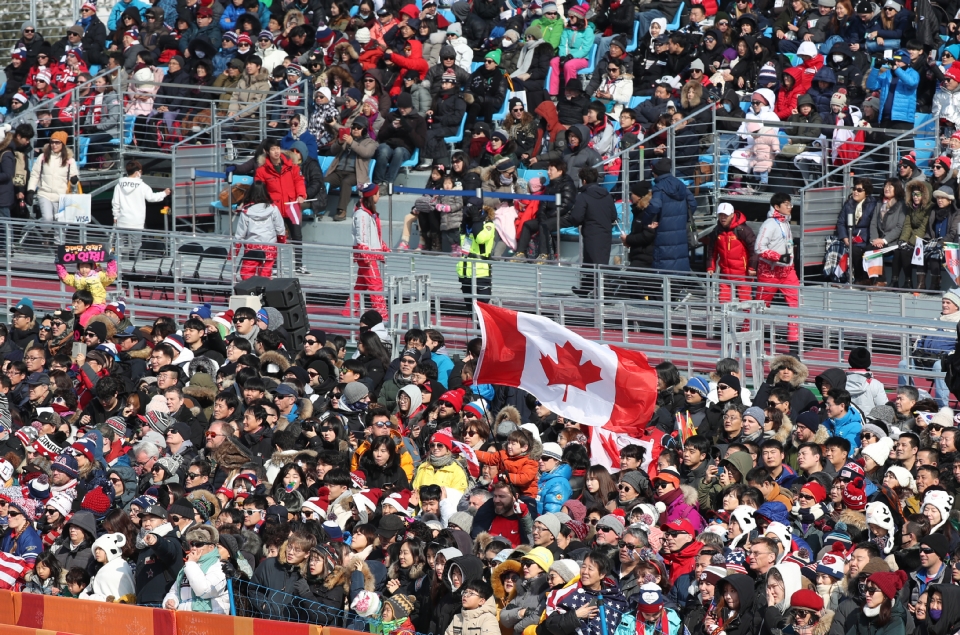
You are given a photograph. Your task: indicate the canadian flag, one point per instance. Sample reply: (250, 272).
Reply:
(607, 387)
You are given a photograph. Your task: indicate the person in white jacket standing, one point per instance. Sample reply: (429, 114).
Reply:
(130, 197)
(114, 581)
(201, 585)
(52, 175)
(261, 226)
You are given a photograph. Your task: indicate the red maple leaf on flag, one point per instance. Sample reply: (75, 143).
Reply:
(567, 369)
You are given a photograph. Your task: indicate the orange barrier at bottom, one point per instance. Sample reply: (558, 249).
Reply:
(6, 629)
(30, 614)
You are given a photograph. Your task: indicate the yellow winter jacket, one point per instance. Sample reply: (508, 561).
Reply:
(452, 476)
(96, 283)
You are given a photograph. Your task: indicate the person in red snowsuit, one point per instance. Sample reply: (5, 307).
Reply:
(368, 252)
(776, 271)
(730, 247)
(410, 60)
(287, 191)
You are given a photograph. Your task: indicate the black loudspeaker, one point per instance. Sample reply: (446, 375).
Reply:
(283, 293)
(297, 337)
(252, 286)
(294, 318)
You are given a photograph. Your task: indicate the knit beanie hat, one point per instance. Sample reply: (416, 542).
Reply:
(39, 488)
(879, 451)
(62, 502)
(27, 506)
(859, 357)
(463, 520)
(855, 495)
(182, 507)
(831, 565)
(402, 605)
(700, 384)
(551, 522)
(635, 479)
(756, 413)
(850, 471)
(650, 598)
(937, 542)
(839, 99)
(889, 583)
(566, 569)
(99, 500)
(815, 489)
(943, 502)
(904, 477)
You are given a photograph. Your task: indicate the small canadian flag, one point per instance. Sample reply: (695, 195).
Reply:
(610, 388)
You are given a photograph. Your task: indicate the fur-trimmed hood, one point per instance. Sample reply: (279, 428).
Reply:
(341, 577)
(480, 543)
(342, 46)
(854, 519)
(414, 573)
(507, 566)
(231, 455)
(690, 496)
(786, 429)
(201, 393)
(918, 185)
(275, 357)
(800, 370)
(336, 72)
(508, 415)
(103, 319)
(826, 621)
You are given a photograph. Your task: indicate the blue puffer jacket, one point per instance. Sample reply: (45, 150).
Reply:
(122, 6)
(848, 427)
(222, 59)
(904, 95)
(673, 205)
(554, 489)
(821, 98)
(228, 21)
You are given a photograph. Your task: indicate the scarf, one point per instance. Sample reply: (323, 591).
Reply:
(71, 484)
(199, 604)
(97, 108)
(441, 461)
(859, 211)
(525, 59)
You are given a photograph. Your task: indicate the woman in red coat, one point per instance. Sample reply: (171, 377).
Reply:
(287, 191)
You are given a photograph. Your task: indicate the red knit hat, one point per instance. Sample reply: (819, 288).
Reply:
(816, 490)
(889, 582)
(227, 492)
(855, 495)
(454, 398)
(444, 437)
(96, 501)
(806, 599)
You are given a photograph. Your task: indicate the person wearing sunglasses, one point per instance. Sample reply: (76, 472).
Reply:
(201, 568)
(616, 87)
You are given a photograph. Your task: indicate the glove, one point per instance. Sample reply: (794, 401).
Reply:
(29, 197)
(785, 258)
(74, 179)
(230, 168)
(443, 208)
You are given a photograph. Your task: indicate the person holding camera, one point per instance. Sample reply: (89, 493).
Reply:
(897, 82)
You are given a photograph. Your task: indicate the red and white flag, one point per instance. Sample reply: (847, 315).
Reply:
(590, 383)
(12, 570)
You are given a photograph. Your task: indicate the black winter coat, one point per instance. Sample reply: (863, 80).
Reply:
(594, 212)
(547, 213)
(448, 110)
(8, 166)
(640, 239)
(259, 443)
(157, 568)
(411, 134)
(271, 576)
(173, 97)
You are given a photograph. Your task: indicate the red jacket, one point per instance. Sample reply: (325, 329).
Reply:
(787, 99)
(732, 248)
(284, 187)
(370, 56)
(683, 561)
(414, 62)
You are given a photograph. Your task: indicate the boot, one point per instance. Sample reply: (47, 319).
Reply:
(435, 243)
(341, 215)
(519, 257)
(921, 281)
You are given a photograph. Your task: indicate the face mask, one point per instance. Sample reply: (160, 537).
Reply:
(507, 42)
(935, 614)
(365, 16)
(838, 58)
(727, 107)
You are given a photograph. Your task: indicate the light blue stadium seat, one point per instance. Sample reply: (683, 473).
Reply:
(128, 121)
(637, 100)
(83, 145)
(632, 45)
(592, 62)
(502, 114)
(457, 138)
(412, 162)
(674, 24)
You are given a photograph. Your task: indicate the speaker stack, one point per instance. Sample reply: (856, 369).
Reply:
(286, 296)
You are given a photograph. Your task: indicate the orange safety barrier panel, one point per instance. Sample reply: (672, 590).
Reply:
(7, 629)
(88, 617)
(189, 623)
(8, 613)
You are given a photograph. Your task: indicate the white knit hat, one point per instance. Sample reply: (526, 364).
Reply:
(879, 451)
(62, 502)
(904, 477)
(943, 502)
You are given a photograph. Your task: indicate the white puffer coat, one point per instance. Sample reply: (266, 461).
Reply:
(51, 180)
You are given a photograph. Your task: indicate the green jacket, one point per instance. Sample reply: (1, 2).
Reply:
(896, 626)
(915, 225)
(552, 30)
